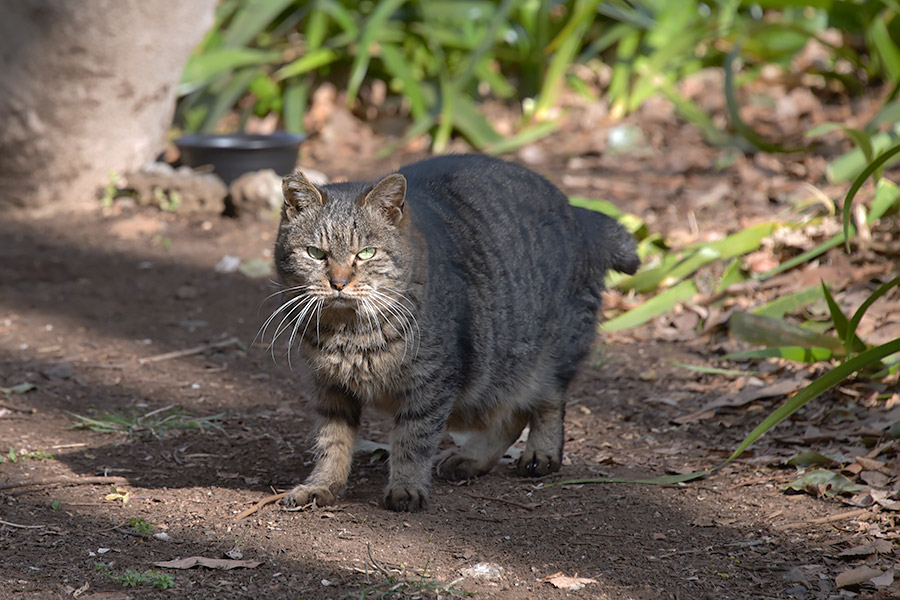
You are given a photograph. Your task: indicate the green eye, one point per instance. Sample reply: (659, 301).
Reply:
(316, 253)
(365, 253)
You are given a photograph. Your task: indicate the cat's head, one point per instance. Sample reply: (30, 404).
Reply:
(344, 243)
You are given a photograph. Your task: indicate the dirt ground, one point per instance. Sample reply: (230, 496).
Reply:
(91, 304)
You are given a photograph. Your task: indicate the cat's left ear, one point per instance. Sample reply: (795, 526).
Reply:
(388, 195)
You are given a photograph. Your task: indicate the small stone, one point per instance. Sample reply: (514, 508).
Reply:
(186, 292)
(58, 371)
(488, 571)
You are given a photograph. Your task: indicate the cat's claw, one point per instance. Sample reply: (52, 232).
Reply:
(304, 494)
(403, 498)
(456, 467)
(537, 464)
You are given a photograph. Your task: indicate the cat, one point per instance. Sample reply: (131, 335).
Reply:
(460, 292)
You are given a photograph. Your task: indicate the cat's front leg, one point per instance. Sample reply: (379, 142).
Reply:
(339, 415)
(418, 428)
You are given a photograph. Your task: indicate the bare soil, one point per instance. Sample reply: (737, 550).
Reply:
(87, 298)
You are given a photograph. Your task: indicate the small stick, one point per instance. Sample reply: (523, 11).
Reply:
(29, 411)
(504, 501)
(259, 505)
(2, 522)
(829, 519)
(63, 481)
(134, 533)
(189, 351)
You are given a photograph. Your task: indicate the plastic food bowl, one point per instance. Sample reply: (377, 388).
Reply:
(232, 155)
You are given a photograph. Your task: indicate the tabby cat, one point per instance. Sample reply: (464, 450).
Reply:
(459, 293)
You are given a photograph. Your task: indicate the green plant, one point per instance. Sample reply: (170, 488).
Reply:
(153, 422)
(13, 456)
(158, 580)
(141, 525)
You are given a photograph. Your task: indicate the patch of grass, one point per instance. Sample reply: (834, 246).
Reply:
(141, 525)
(132, 578)
(13, 456)
(399, 584)
(154, 422)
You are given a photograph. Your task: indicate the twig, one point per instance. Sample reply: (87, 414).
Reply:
(62, 481)
(134, 533)
(259, 505)
(829, 519)
(29, 411)
(7, 523)
(190, 351)
(504, 501)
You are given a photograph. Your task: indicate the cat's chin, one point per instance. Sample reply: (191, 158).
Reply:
(340, 303)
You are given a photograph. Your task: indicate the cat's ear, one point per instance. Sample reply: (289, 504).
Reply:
(389, 196)
(299, 194)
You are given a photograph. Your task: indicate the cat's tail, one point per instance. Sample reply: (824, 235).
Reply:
(608, 241)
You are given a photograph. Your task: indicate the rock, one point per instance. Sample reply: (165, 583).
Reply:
(259, 192)
(182, 189)
(488, 571)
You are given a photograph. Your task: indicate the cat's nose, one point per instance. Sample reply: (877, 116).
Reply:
(339, 283)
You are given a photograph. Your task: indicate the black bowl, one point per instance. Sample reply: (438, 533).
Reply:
(232, 155)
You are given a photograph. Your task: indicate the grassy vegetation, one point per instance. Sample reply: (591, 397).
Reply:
(132, 578)
(13, 456)
(153, 422)
(439, 58)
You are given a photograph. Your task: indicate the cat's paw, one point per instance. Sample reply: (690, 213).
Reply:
(304, 494)
(536, 464)
(456, 466)
(403, 498)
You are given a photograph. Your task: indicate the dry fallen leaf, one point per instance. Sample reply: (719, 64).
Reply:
(212, 563)
(564, 582)
(856, 576)
(119, 494)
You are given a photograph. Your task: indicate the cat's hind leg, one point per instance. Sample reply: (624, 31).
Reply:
(543, 450)
(335, 439)
(483, 448)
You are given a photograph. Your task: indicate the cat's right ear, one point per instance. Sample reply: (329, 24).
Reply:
(299, 194)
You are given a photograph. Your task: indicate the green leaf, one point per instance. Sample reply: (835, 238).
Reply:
(383, 11)
(398, 66)
(793, 353)
(823, 482)
(253, 17)
(850, 334)
(857, 183)
(472, 124)
(820, 385)
(773, 333)
(565, 47)
(713, 370)
(850, 164)
(525, 136)
(296, 98)
(886, 47)
(203, 68)
(742, 242)
(227, 98)
(658, 305)
(809, 458)
(852, 343)
(734, 111)
(733, 274)
(20, 388)
(776, 309)
(306, 63)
